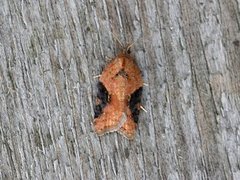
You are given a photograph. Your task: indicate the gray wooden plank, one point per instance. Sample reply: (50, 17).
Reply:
(188, 52)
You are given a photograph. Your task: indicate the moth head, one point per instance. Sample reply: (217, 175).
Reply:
(125, 49)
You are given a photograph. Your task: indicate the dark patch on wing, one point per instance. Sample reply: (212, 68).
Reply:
(134, 103)
(102, 95)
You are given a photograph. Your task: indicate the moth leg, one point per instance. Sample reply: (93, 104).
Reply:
(96, 76)
(142, 108)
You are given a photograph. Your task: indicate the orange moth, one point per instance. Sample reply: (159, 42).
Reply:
(119, 96)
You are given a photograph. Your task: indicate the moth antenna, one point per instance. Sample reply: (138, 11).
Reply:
(115, 37)
(129, 46)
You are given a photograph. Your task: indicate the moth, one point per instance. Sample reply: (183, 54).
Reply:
(119, 96)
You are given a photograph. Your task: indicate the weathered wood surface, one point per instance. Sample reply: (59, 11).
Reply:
(189, 53)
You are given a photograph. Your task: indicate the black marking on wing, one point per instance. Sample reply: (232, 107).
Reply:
(134, 103)
(102, 95)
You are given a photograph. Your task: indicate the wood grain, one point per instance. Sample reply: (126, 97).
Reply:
(189, 54)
